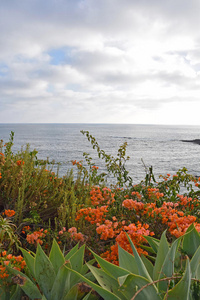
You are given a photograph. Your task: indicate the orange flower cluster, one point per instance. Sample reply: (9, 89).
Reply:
(77, 236)
(108, 230)
(99, 196)
(17, 262)
(188, 202)
(25, 228)
(137, 195)
(94, 168)
(179, 225)
(108, 227)
(20, 162)
(136, 233)
(93, 215)
(0, 175)
(169, 214)
(36, 236)
(74, 162)
(154, 194)
(9, 213)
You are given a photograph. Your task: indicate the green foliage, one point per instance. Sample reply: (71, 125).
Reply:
(51, 277)
(114, 165)
(138, 279)
(8, 237)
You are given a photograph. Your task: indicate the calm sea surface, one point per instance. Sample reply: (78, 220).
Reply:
(158, 146)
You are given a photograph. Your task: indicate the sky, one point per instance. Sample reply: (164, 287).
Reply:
(103, 61)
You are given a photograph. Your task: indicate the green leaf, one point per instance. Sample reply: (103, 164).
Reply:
(131, 283)
(44, 272)
(30, 261)
(106, 281)
(56, 257)
(153, 242)
(195, 263)
(191, 241)
(141, 267)
(84, 269)
(105, 294)
(61, 284)
(167, 268)
(111, 269)
(71, 252)
(182, 288)
(72, 294)
(198, 273)
(127, 261)
(161, 255)
(76, 259)
(87, 296)
(148, 264)
(17, 294)
(29, 288)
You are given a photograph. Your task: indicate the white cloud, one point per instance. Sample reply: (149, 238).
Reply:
(128, 62)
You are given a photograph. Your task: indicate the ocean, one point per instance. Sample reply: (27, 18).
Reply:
(158, 146)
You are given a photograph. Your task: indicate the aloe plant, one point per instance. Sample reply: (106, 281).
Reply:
(50, 278)
(137, 278)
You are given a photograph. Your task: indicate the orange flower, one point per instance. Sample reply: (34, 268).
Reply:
(9, 213)
(20, 162)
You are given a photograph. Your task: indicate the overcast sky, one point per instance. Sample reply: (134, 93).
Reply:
(100, 61)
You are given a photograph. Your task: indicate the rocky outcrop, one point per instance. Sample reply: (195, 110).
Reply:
(196, 141)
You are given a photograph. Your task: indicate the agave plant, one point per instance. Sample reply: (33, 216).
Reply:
(137, 278)
(50, 278)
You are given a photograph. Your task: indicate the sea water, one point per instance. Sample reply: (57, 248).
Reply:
(158, 146)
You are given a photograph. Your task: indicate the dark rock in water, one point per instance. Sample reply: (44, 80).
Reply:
(197, 141)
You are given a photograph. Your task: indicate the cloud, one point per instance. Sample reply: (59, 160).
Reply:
(105, 61)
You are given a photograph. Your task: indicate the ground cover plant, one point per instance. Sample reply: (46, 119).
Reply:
(38, 207)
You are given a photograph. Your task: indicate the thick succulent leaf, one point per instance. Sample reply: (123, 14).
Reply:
(17, 293)
(30, 261)
(29, 288)
(191, 241)
(198, 273)
(195, 263)
(148, 264)
(76, 263)
(84, 269)
(161, 255)
(141, 267)
(182, 289)
(111, 269)
(106, 281)
(148, 249)
(153, 242)
(44, 272)
(61, 284)
(131, 283)
(105, 294)
(71, 252)
(72, 294)
(127, 261)
(87, 296)
(167, 269)
(76, 260)
(56, 257)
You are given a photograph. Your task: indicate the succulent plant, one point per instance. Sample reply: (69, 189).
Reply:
(172, 275)
(137, 278)
(50, 277)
